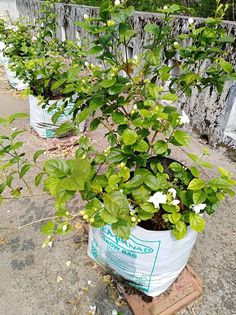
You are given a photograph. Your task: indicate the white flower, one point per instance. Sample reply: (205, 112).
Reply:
(64, 227)
(190, 21)
(68, 263)
(86, 63)
(86, 16)
(198, 208)
(34, 38)
(135, 107)
(172, 191)
(114, 312)
(93, 309)
(158, 198)
(165, 7)
(175, 202)
(184, 118)
(176, 44)
(117, 2)
(90, 283)
(59, 279)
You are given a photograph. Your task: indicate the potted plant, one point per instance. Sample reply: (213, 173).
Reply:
(2, 36)
(17, 46)
(144, 207)
(49, 107)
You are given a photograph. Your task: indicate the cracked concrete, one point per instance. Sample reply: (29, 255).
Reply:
(50, 281)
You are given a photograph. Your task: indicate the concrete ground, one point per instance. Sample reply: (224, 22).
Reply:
(62, 280)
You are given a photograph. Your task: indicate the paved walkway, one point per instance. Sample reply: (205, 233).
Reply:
(64, 281)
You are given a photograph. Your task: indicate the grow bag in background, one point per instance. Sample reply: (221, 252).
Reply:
(2, 46)
(41, 119)
(150, 260)
(11, 76)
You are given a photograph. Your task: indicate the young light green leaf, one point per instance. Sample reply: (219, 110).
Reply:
(129, 137)
(197, 223)
(37, 155)
(196, 184)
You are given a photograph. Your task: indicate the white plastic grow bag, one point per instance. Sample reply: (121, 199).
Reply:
(149, 260)
(41, 119)
(12, 78)
(2, 46)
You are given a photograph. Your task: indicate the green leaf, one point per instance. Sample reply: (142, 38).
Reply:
(3, 121)
(56, 168)
(108, 83)
(182, 137)
(116, 204)
(134, 182)
(17, 116)
(151, 181)
(121, 229)
(129, 137)
(195, 172)
(153, 57)
(141, 194)
(95, 50)
(38, 179)
(37, 155)
(176, 167)
(72, 183)
(107, 217)
(197, 223)
(196, 184)
(219, 183)
(168, 208)
(58, 83)
(65, 128)
(148, 207)
(118, 118)
(174, 217)
(95, 123)
(82, 116)
(180, 230)
(160, 147)
(141, 146)
(116, 156)
(60, 229)
(206, 164)
(25, 168)
(226, 66)
(169, 97)
(193, 157)
(80, 169)
(199, 197)
(152, 28)
(48, 228)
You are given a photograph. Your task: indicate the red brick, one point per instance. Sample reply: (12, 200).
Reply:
(186, 289)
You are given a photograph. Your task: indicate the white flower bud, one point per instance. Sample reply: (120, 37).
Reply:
(190, 21)
(86, 16)
(165, 7)
(176, 44)
(64, 227)
(133, 219)
(117, 2)
(85, 217)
